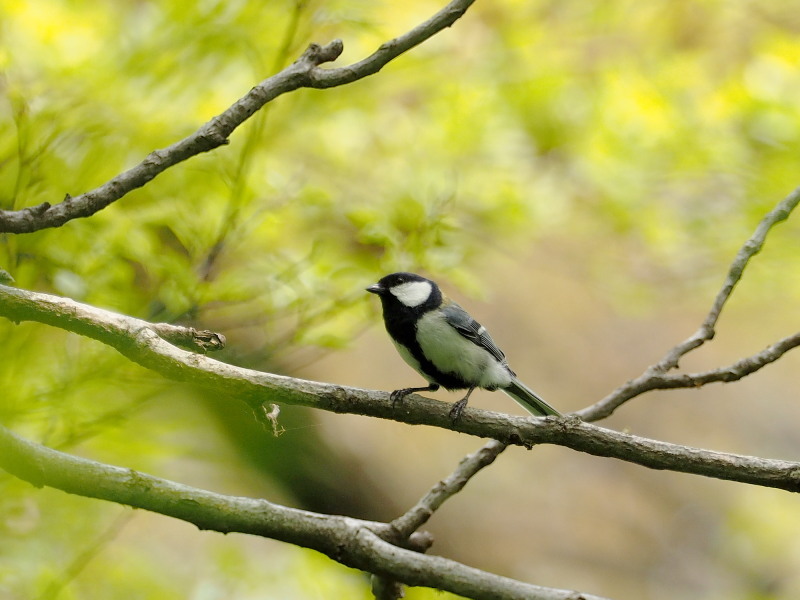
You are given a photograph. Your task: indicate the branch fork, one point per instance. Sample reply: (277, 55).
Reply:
(394, 552)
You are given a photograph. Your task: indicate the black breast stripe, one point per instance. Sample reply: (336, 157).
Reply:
(402, 326)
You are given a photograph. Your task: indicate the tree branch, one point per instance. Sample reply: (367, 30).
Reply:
(136, 340)
(303, 73)
(388, 51)
(423, 510)
(654, 377)
(655, 380)
(352, 542)
(405, 525)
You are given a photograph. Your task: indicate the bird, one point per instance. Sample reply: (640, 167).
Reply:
(445, 345)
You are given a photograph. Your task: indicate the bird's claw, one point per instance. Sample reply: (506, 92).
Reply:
(398, 396)
(455, 411)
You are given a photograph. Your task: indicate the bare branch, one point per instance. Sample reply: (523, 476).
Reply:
(654, 380)
(654, 377)
(405, 525)
(352, 542)
(748, 250)
(97, 323)
(303, 73)
(137, 341)
(469, 466)
(737, 370)
(325, 78)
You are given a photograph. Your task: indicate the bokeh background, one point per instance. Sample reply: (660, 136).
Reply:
(579, 174)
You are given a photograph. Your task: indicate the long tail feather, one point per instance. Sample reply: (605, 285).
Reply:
(528, 399)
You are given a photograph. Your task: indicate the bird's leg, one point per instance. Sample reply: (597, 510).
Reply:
(455, 412)
(398, 395)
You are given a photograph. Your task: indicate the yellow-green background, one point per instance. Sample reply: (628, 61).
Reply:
(579, 174)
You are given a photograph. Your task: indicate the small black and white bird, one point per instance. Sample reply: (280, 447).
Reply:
(445, 345)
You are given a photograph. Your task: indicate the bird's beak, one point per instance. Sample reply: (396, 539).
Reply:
(375, 288)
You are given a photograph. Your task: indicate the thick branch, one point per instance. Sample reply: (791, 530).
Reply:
(137, 341)
(352, 542)
(305, 72)
(654, 377)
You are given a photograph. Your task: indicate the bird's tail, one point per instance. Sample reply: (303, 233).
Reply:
(528, 399)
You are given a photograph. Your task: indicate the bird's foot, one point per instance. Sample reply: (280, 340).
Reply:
(458, 407)
(398, 395)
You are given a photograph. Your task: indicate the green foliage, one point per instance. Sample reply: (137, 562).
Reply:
(660, 132)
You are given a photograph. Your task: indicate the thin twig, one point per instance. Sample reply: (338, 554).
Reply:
(748, 250)
(655, 380)
(469, 466)
(305, 72)
(654, 376)
(405, 525)
(80, 562)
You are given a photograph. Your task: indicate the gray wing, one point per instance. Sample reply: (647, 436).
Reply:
(464, 324)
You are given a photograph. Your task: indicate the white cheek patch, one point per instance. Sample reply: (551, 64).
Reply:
(412, 293)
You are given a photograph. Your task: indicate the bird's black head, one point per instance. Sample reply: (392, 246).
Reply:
(407, 291)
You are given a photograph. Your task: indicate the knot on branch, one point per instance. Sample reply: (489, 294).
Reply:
(212, 136)
(315, 54)
(40, 209)
(208, 341)
(794, 480)
(420, 541)
(202, 341)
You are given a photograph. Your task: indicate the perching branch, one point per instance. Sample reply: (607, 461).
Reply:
(655, 377)
(305, 72)
(352, 542)
(140, 343)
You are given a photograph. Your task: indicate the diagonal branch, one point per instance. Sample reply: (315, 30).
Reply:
(138, 342)
(423, 510)
(303, 73)
(405, 526)
(390, 50)
(654, 380)
(79, 563)
(352, 542)
(748, 250)
(654, 377)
